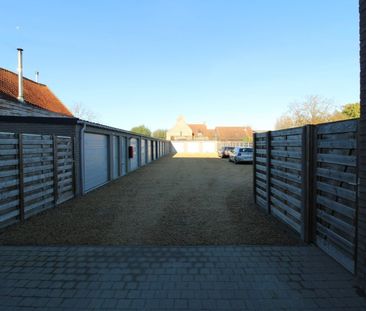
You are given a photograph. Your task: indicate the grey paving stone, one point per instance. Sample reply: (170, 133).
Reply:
(174, 278)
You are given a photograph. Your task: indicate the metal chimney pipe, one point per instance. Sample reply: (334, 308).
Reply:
(20, 75)
(37, 76)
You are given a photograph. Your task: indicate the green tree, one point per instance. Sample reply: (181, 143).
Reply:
(160, 133)
(142, 130)
(351, 111)
(248, 139)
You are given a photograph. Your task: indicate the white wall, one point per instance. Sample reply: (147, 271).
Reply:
(206, 146)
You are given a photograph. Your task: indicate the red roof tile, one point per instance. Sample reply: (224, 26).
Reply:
(233, 132)
(34, 93)
(198, 129)
(211, 134)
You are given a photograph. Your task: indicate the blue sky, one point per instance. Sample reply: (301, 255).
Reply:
(220, 62)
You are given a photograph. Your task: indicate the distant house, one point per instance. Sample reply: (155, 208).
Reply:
(180, 131)
(184, 131)
(233, 133)
(201, 132)
(20, 96)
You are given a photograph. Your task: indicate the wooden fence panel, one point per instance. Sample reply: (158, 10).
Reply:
(65, 167)
(9, 179)
(310, 176)
(36, 173)
(38, 167)
(260, 170)
(336, 190)
(286, 169)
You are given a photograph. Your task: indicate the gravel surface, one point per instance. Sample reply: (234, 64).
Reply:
(180, 200)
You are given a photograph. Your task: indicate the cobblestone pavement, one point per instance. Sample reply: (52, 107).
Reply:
(170, 278)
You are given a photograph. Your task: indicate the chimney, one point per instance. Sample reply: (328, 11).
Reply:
(20, 75)
(37, 76)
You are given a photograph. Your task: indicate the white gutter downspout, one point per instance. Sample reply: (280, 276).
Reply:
(20, 75)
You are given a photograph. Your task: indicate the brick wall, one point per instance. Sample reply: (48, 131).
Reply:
(361, 253)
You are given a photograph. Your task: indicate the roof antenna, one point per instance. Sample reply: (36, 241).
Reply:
(20, 75)
(37, 76)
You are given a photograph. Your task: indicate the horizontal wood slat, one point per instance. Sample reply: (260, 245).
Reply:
(328, 247)
(337, 175)
(296, 214)
(337, 191)
(337, 127)
(336, 222)
(337, 159)
(284, 164)
(286, 197)
(287, 175)
(263, 193)
(312, 173)
(287, 143)
(261, 151)
(288, 132)
(336, 206)
(286, 186)
(287, 220)
(40, 167)
(11, 204)
(286, 154)
(337, 144)
(343, 243)
(261, 201)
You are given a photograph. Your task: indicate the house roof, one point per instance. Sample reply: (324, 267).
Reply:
(198, 128)
(211, 134)
(232, 132)
(36, 94)
(203, 130)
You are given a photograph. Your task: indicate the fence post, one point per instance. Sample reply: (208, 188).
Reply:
(306, 152)
(55, 170)
(308, 183)
(357, 233)
(21, 177)
(254, 168)
(268, 164)
(312, 184)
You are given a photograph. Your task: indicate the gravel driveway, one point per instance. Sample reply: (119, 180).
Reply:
(177, 200)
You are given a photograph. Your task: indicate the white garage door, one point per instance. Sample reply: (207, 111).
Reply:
(95, 160)
(115, 157)
(143, 152)
(148, 149)
(124, 152)
(134, 161)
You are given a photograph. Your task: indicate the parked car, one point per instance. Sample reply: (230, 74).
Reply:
(225, 151)
(240, 155)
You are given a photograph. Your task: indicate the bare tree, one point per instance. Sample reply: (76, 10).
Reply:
(82, 112)
(313, 110)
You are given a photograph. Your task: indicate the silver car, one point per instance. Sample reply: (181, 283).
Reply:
(241, 155)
